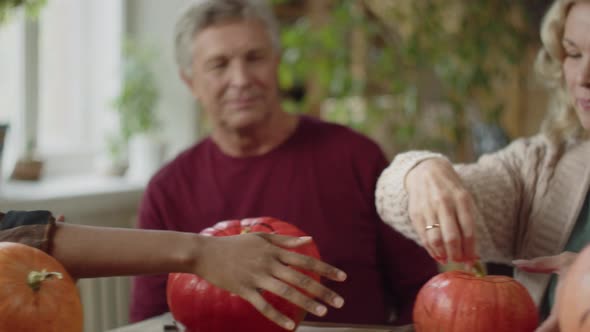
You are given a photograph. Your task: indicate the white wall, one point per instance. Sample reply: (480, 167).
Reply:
(152, 23)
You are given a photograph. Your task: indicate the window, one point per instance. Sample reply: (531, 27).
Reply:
(68, 78)
(10, 63)
(11, 81)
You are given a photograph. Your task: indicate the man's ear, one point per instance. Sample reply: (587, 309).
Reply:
(188, 81)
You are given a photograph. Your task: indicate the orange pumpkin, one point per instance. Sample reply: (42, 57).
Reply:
(462, 301)
(574, 293)
(36, 292)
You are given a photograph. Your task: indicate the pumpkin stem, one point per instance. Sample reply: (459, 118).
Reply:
(479, 269)
(35, 278)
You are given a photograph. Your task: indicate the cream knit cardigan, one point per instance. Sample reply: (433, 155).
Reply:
(529, 196)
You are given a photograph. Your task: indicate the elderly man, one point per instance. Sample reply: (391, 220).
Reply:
(261, 161)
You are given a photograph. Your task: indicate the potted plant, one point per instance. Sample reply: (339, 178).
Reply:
(138, 121)
(28, 167)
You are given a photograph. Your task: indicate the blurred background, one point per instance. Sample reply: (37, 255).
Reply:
(85, 77)
(93, 105)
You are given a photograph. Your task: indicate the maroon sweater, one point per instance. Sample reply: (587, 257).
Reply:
(321, 179)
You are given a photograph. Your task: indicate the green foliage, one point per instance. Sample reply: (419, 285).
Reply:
(482, 43)
(139, 92)
(323, 52)
(32, 8)
(136, 101)
(463, 48)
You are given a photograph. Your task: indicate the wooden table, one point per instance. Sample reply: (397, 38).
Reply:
(157, 324)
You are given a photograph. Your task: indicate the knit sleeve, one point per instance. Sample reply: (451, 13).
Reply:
(391, 197)
(33, 228)
(502, 185)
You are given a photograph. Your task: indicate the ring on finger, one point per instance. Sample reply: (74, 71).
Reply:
(429, 227)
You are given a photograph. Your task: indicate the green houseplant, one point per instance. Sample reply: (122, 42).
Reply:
(136, 109)
(138, 96)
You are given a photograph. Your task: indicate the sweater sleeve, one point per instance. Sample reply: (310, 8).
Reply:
(33, 228)
(502, 185)
(391, 197)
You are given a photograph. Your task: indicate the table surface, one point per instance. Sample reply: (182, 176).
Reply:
(157, 324)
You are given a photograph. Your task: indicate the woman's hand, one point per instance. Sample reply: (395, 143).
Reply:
(246, 264)
(242, 264)
(442, 211)
(558, 264)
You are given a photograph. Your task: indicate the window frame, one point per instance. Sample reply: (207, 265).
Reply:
(25, 128)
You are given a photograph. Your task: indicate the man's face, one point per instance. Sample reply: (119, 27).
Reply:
(234, 74)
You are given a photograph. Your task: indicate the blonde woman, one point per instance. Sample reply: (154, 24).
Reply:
(527, 204)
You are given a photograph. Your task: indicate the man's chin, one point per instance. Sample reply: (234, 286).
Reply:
(245, 121)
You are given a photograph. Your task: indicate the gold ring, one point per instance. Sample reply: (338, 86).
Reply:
(429, 227)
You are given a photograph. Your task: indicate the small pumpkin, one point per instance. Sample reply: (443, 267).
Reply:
(574, 295)
(203, 307)
(461, 301)
(36, 292)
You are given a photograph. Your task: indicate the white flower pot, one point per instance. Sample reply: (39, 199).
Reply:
(145, 157)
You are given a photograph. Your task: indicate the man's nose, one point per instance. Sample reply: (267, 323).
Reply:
(239, 74)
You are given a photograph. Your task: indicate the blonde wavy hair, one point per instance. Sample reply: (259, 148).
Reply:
(562, 123)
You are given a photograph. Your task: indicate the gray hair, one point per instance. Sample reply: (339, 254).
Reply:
(201, 14)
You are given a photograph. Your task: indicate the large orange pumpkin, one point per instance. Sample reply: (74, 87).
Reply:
(203, 307)
(574, 295)
(459, 301)
(36, 292)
